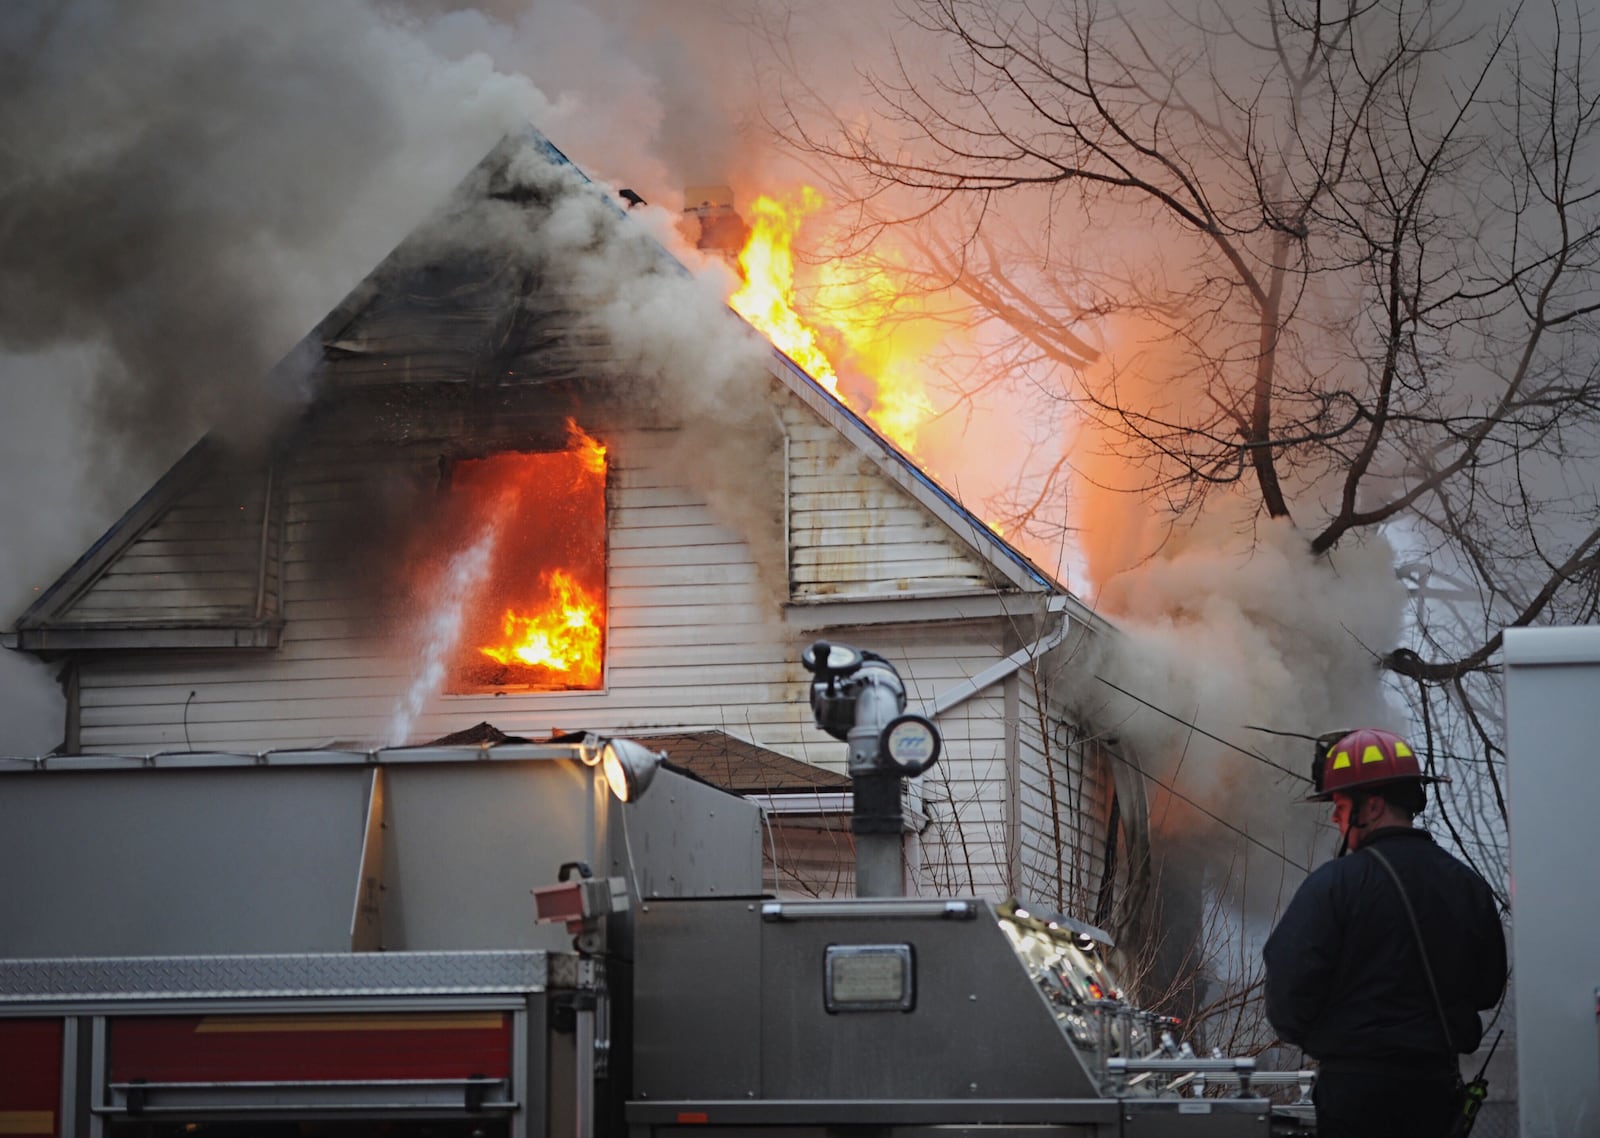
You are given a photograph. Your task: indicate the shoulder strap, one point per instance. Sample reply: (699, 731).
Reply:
(1422, 950)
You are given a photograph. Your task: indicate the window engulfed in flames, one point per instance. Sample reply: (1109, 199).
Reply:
(538, 618)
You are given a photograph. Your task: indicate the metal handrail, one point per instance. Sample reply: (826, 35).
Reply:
(276, 1084)
(865, 908)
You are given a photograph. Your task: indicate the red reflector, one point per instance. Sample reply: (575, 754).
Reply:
(687, 1116)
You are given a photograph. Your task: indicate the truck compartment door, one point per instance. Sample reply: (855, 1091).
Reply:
(285, 1064)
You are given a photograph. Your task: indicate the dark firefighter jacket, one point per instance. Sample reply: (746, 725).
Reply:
(1344, 979)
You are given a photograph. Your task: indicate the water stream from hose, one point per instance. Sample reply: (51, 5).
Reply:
(442, 630)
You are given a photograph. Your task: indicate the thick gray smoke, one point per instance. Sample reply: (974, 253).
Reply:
(1225, 639)
(186, 189)
(674, 351)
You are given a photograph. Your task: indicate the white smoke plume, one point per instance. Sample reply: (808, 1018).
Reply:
(1220, 636)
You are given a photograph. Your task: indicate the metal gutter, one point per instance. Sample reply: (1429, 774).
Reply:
(814, 803)
(382, 756)
(959, 693)
(130, 635)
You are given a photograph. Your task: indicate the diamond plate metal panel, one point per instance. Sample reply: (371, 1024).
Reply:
(248, 977)
(568, 970)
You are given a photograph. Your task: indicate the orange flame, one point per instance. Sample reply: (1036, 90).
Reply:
(590, 452)
(865, 314)
(871, 324)
(562, 635)
(540, 614)
(767, 298)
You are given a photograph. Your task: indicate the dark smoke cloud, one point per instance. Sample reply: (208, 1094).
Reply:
(185, 189)
(165, 164)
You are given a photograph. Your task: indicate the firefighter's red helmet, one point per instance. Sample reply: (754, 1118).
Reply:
(1363, 760)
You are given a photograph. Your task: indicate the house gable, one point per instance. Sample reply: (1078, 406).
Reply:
(986, 561)
(194, 564)
(197, 563)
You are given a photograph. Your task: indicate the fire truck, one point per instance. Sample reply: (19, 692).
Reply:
(330, 943)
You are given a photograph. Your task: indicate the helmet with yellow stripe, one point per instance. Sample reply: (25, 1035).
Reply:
(1364, 760)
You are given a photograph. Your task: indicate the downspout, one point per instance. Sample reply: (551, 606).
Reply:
(783, 433)
(72, 688)
(958, 694)
(1013, 824)
(266, 541)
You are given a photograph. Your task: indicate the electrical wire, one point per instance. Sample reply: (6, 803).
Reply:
(1281, 734)
(1201, 730)
(1313, 738)
(1217, 818)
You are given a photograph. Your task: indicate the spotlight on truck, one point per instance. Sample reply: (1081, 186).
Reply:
(629, 767)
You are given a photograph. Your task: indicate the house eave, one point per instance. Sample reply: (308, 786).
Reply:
(101, 637)
(812, 613)
(837, 612)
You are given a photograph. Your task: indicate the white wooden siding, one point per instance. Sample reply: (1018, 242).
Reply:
(1063, 804)
(201, 560)
(695, 639)
(853, 532)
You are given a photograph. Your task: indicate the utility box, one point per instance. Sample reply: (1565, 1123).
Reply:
(1552, 694)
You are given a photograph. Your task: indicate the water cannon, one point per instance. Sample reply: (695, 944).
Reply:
(859, 698)
(833, 707)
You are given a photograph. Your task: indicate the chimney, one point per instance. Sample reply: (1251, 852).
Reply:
(712, 222)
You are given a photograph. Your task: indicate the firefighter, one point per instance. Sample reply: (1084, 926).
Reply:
(1346, 978)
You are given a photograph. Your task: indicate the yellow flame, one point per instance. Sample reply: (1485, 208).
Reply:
(869, 313)
(591, 452)
(767, 298)
(562, 635)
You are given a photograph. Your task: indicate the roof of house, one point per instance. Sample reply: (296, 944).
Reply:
(713, 757)
(743, 768)
(417, 320)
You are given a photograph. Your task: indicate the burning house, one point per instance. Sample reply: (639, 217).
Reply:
(531, 494)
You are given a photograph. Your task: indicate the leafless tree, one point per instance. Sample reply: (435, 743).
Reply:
(1349, 258)
(1360, 256)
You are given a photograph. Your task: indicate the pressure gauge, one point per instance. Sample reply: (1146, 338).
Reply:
(910, 744)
